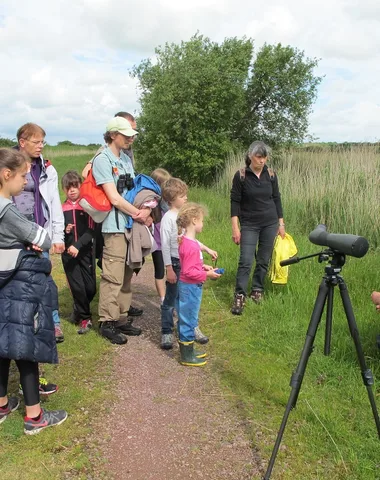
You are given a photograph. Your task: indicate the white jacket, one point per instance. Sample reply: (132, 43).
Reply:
(51, 203)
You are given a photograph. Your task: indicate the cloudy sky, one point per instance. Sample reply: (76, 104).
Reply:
(65, 64)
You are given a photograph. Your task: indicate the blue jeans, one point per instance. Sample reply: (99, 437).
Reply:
(189, 304)
(170, 301)
(250, 237)
(54, 291)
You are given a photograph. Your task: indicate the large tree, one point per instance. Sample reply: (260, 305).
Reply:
(280, 93)
(200, 99)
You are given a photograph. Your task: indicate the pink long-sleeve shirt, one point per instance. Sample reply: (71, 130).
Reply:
(191, 261)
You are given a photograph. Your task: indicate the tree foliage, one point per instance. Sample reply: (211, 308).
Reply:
(200, 99)
(7, 142)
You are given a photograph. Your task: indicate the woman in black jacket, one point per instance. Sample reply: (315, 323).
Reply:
(256, 216)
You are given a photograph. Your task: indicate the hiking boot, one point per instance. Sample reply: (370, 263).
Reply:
(109, 331)
(85, 326)
(59, 338)
(44, 388)
(167, 341)
(128, 329)
(47, 419)
(12, 405)
(200, 337)
(238, 305)
(135, 312)
(188, 357)
(257, 296)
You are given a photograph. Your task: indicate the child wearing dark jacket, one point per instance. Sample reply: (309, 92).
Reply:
(79, 257)
(26, 322)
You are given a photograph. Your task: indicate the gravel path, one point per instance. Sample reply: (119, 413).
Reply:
(169, 421)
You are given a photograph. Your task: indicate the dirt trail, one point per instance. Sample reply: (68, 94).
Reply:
(169, 421)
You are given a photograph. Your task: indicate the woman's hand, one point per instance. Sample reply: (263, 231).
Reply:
(281, 231)
(142, 215)
(236, 235)
(149, 221)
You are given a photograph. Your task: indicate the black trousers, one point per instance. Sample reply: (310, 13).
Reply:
(81, 277)
(263, 239)
(29, 379)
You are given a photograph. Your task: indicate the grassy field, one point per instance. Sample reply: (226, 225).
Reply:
(331, 434)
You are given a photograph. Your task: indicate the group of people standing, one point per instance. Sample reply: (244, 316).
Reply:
(33, 223)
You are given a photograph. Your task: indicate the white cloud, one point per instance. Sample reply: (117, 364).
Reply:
(66, 64)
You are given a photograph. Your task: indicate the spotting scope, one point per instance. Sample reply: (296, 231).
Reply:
(344, 243)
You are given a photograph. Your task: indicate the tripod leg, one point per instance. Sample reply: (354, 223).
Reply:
(330, 302)
(298, 374)
(366, 372)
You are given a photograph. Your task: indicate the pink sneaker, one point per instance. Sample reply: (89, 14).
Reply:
(59, 338)
(85, 326)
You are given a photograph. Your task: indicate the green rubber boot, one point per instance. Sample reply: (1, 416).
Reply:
(200, 354)
(188, 356)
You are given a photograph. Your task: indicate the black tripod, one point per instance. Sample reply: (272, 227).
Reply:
(326, 293)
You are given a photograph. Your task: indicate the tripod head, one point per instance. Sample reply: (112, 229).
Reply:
(337, 259)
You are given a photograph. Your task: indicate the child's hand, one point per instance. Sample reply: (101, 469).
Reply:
(171, 277)
(58, 248)
(73, 251)
(212, 274)
(212, 253)
(208, 267)
(69, 227)
(36, 248)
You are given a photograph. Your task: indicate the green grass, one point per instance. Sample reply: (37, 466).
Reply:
(331, 434)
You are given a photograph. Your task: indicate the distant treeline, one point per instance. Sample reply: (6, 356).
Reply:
(7, 142)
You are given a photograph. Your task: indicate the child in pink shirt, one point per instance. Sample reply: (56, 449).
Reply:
(193, 275)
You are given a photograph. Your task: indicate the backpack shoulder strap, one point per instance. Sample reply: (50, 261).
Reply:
(242, 175)
(272, 173)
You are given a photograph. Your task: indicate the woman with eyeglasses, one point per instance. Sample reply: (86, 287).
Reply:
(40, 201)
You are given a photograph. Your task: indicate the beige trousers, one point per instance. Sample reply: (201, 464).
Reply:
(115, 292)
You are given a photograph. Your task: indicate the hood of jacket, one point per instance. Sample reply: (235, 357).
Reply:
(5, 203)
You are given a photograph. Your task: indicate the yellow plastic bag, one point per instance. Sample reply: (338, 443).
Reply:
(283, 249)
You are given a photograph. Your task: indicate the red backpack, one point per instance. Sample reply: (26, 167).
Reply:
(93, 200)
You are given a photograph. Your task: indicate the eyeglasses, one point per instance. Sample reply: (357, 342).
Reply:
(36, 142)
